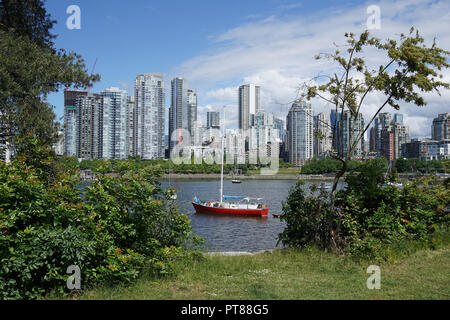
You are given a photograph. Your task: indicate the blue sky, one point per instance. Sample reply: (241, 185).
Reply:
(219, 44)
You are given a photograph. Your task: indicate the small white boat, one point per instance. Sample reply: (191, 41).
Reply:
(323, 186)
(394, 184)
(235, 181)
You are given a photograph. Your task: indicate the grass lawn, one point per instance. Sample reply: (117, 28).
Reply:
(293, 274)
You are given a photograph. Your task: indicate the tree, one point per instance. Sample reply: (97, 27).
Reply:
(30, 69)
(411, 68)
(27, 18)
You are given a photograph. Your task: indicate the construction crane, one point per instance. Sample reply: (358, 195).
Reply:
(92, 72)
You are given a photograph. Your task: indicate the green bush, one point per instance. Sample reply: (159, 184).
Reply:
(371, 213)
(113, 229)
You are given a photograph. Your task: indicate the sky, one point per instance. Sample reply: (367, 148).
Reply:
(217, 45)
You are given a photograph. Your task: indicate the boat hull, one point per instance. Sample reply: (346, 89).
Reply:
(227, 211)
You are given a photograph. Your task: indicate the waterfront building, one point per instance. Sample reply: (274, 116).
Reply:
(130, 125)
(113, 137)
(234, 147)
(440, 129)
(249, 105)
(88, 123)
(372, 145)
(192, 112)
(149, 110)
(335, 122)
(182, 111)
(263, 137)
(380, 123)
(400, 136)
(417, 148)
(387, 145)
(299, 124)
(279, 125)
(398, 118)
(352, 130)
(213, 120)
(322, 135)
(439, 150)
(70, 120)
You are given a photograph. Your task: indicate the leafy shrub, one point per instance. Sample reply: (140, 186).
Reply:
(113, 229)
(371, 214)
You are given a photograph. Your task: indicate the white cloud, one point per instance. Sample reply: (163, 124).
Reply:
(277, 53)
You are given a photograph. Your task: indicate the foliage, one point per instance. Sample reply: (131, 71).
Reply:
(420, 166)
(29, 19)
(167, 166)
(372, 214)
(113, 229)
(30, 69)
(409, 69)
(305, 218)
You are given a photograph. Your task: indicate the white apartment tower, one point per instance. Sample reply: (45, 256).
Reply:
(322, 135)
(113, 137)
(149, 116)
(249, 105)
(300, 133)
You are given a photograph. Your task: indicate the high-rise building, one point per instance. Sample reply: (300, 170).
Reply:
(263, 137)
(192, 112)
(149, 112)
(58, 146)
(89, 124)
(387, 144)
(440, 129)
(249, 105)
(213, 119)
(130, 125)
(279, 125)
(372, 147)
(335, 118)
(70, 120)
(352, 130)
(182, 111)
(393, 137)
(398, 118)
(234, 147)
(299, 123)
(113, 136)
(381, 122)
(322, 135)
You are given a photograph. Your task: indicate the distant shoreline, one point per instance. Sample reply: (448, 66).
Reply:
(215, 176)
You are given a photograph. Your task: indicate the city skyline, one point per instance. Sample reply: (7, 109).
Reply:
(273, 48)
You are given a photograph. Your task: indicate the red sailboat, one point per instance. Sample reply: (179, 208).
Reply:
(246, 207)
(242, 206)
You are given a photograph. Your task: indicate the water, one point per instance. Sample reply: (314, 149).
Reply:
(234, 233)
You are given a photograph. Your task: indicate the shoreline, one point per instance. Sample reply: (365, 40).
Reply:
(215, 176)
(313, 177)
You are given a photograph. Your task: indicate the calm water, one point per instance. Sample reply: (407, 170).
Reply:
(231, 233)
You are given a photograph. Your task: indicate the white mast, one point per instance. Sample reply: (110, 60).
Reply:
(221, 171)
